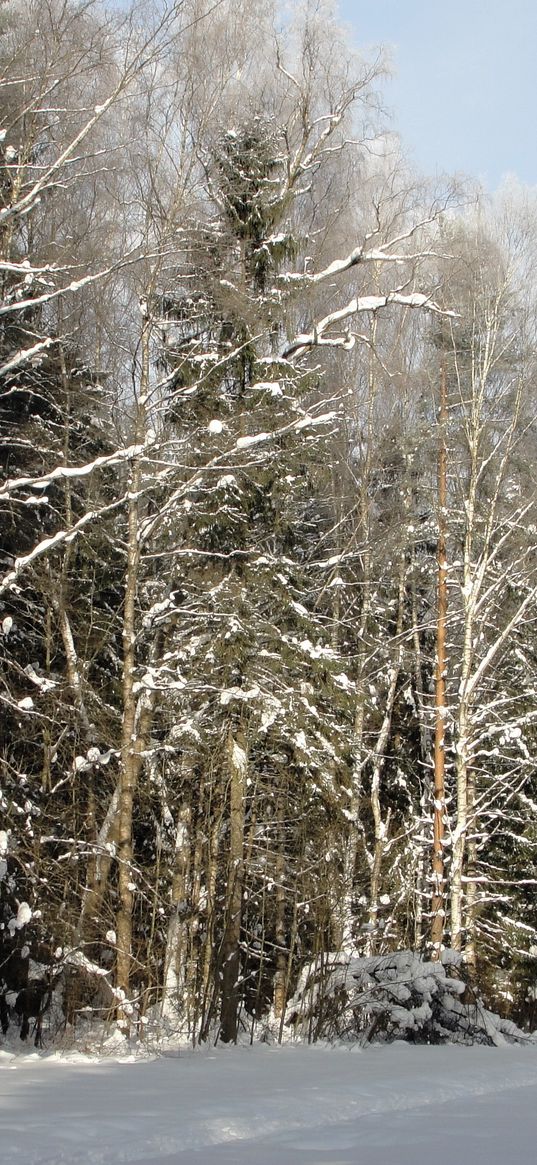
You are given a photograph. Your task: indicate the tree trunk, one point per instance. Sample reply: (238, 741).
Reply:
(438, 896)
(208, 987)
(471, 884)
(280, 976)
(379, 757)
(237, 768)
(174, 960)
(356, 791)
(132, 734)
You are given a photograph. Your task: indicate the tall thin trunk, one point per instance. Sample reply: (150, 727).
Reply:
(237, 768)
(99, 867)
(438, 874)
(132, 741)
(422, 857)
(207, 1004)
(356, 790)
(471, 884)
(470, 590)
(174, 960)
(194, 936)
(59, 593)
(379, 758)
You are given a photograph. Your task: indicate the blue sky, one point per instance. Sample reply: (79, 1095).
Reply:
(465, 95)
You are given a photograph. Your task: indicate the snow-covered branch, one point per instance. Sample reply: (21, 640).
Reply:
(70, 472)
(24, 355)
(364, 303)
(60, 538)
(32, 302)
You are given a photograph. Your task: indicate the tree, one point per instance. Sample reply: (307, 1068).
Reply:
(492, 500)
(229, 738)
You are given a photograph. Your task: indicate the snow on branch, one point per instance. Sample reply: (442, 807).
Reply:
(64, 472)
(64, 537)
(504, 636)
(75, 285)
(26, 354)
(394, 996)
(61, 537)
(143, 55)
(364, 303)
(222, 459)
(26, 269)
(382, 253)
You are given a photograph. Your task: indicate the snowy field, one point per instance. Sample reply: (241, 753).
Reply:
(396, 1105)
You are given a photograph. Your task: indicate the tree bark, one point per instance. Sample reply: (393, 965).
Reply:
(237, 768)
(133, 726)
(379, 757)
(174, 960)
(438, 896)
(280, 976)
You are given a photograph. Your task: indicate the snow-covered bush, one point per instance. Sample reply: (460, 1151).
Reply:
(398, 996)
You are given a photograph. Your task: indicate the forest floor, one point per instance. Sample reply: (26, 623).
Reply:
(260, 1105)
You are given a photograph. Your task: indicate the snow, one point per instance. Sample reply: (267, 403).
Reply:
(3, 854)
(239, 758)
(26, 704)
(255, 439)
(261, 1105)
(41, 682)
(229, 694)
(23, 917)
(273, 387)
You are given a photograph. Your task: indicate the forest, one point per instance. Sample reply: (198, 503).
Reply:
(268, 538)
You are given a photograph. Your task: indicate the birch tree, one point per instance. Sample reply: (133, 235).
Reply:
(490, 371)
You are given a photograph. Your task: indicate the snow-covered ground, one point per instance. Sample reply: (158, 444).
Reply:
(394, 1105)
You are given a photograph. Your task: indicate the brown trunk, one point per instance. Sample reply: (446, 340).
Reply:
(194, 936)
(130, 744)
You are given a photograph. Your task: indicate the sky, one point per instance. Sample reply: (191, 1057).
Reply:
(464, 97)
